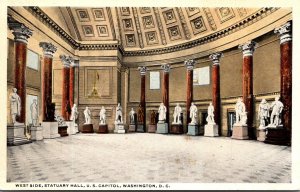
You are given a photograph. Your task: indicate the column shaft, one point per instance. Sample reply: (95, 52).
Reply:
(47, 84)
(165, 94)
(216, 93)
(65, 92)
(143, 98)
(71, 85)
(189, 94)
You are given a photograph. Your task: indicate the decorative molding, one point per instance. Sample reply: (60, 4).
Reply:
(48, 49)
(242, 11)
(83, 15)
(285, 32)
(169, 16)
(20, 31)
(102, 30)
(210, 19)
(148, 22)
(151, 37)
(138, 27)
(174, 33)
(98, 14)
(198, 25)
(224, 14)
(183, 23)
(160, 27)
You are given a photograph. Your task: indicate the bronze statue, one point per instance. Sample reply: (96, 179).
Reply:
(152, 117)
(140, 115)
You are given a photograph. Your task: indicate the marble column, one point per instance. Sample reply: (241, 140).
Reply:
(216, 100)
(67, 62)
(165, 90)
(248, 49)
(21, 34)
(48, 50)
(189, 87)
(73, 65)
(143, 71)
(285, 33)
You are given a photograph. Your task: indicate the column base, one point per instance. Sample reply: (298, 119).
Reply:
(102, 128)
(50, 129)
(71, 128)
(16, 136)
(261, 132)
(140, 128)
(87, 128)
(119, 128)
(63, 131)
(193, 130)
(211, 130)
(176, 129)
(162, 128)
(277, 135)
(240, 132)
(36, 133)
(132, 128)
(151, 128)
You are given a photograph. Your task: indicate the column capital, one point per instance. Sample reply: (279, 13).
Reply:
(66, 60)
(143, 70)
(75, 63)
(248, 48)
(215, 58)
(48, 49)
(189, 64)
(285, 32)
(20, 31)
(166, 68)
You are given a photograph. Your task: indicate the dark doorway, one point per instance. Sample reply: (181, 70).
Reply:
(230, 122)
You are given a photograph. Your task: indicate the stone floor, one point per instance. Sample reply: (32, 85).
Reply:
(144, 157)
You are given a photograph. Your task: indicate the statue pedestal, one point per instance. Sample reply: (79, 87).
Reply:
(140, 128)
(16, 136)
(63, 131)
(277, 135)
(102, 128)
(76, 128)
(211, 130)
(162, 128)
(71, 127)
(36, 133)
(119, 128)
(87, 128)
(261, 132)
(132, 128)
(193, 130)
(240, 132)
(50, 129)
(176, 129)
(151, 128)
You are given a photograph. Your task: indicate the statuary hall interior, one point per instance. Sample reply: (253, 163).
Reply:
(149, 94)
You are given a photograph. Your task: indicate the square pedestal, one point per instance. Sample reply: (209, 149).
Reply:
(36, 133)
(261, 134)
(132, 128)
(87, 128)
(193, 130)
(140, 128)
(176, 129)
(211, 130)
(16, 136)
(240, 132)
(162, 128)
(71, 127)
(119, 128)
(151, 128)
(50, 129)
(277, 135)
(63, 131)
(102, 128)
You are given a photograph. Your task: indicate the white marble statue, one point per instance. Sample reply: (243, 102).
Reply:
(87, 115)
(74, 113)
(131, 116)
(162, 110)
(263, 113)
(34, 113)
(240, 112)
(15, 105)
(210, 114)
(193, 114)
(102, 116)
(277, 107)
(119, 116)
(177, 114)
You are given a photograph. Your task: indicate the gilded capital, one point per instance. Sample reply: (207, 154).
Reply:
(285, 32)
(48, 48)
(66, 60)
(189, 64)
(143, 70)
(166, 68)
(20, 31)
(215, 58)
(248, 48)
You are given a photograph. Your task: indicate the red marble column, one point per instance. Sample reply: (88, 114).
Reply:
(189, 87)
(48, 50)
(286, 73)
(143, 71)
(216, 100)
(67, 61)
(165, 90)
(21, 33)
(248, 49)
(71, 85)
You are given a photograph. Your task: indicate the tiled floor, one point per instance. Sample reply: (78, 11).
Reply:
(143, 157)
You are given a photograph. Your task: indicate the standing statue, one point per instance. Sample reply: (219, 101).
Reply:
(74, 113)
(210, 114)
(277, 107)
(177, 114)
(87, 115)
(132, 116)
(68, 110)
(140, 115)
(193, 114)
(119, 117)
(15, 105)
(34, 112)
(162, 110)
(240, 112)
(152, 118)
(263, 113)
(102, 116)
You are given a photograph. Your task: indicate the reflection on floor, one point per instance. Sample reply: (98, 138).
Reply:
(143, 157)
